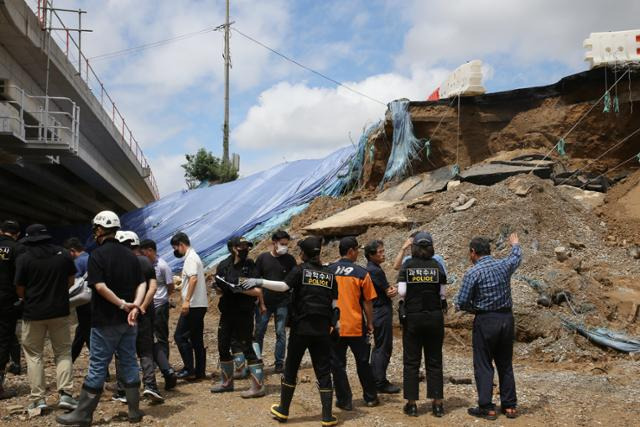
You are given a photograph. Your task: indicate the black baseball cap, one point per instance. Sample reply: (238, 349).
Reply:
(422, 238)
(238, 241)
(10, 226)
(311, 246)
(35, 233)
(347, 243)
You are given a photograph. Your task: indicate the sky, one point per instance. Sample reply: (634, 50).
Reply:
(172, 96)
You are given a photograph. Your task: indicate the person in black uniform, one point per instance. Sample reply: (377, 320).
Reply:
(236, 317)
(314, 314)
(9, 310)
(419, 283)
(144, 338)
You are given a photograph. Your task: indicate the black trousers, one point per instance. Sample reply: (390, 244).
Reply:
(318, 350)
(383, 343)
(190, 341)
(493, 335)
(83, 330)
(161, 334)
(423, 332)
(236, 327)
(144, 349)
(7, 334)
(360, 348)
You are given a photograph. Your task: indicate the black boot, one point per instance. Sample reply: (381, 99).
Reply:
(326, 397)
(281, 412)
(170, 379)
(83, 414)
(4, 393)
(133, 402)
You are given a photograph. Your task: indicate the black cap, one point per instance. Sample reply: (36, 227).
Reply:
(423, 239)
(10, 226)
(35, 233)
(238, 241)
(311, 246)
(347, 243)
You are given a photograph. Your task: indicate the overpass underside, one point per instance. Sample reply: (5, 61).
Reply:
(65, 150)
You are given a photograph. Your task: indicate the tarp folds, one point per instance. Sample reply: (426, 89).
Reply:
(211, 215)
(405, 145)
(606, 338)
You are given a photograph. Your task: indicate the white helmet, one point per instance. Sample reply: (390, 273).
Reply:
(106, 219)
(133, 238)
(128, 237)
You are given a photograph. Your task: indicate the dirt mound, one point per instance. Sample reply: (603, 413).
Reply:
(546, 217)
(622, 210)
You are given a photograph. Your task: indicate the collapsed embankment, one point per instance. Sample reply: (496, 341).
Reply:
(479, 127)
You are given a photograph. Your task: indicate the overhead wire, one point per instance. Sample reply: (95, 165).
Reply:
(318, 73)
(134, 49)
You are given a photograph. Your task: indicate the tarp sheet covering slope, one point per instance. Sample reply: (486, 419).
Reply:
(211, 215)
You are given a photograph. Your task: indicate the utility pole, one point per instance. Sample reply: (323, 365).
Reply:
(227, 64)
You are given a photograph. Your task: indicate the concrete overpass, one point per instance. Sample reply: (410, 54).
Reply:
(66, 152)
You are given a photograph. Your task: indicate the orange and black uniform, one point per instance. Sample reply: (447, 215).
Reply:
(354, 287)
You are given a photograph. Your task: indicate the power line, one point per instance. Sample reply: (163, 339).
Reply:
(180, 37)
(318, 73)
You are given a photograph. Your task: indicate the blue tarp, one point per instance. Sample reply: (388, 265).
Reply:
(605, 337)
(251, 206)
(405, 146)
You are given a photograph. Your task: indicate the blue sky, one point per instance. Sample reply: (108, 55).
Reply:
(172, 96)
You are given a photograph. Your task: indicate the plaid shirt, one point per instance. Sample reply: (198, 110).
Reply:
(487, 285)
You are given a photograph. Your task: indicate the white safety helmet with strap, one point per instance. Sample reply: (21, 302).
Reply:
(106, 219)
(128, 237)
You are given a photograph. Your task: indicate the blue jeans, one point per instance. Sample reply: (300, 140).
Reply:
(105, 341)
(262, 321)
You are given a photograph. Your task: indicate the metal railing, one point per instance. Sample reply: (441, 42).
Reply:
(51, 126)
(46, 14)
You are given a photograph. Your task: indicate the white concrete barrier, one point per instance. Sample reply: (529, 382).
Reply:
(616, 47)
(466, 80)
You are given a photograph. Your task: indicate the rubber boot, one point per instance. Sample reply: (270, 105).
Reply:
(281, 412)
(226, 380)
(326, 397)
(83, 414)
(133, 402)
(257, 382)
(240, 366)
(4, 393)
(170, 379)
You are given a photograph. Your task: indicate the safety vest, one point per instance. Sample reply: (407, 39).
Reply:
(423, 278)
(314, 295)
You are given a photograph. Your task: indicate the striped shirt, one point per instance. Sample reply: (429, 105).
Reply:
(487, 285)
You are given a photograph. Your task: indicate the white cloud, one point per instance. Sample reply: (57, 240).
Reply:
(168, 172)
(299, 121)
(529, 31)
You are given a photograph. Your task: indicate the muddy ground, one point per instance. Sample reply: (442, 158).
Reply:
(562, 378)
(591, 392)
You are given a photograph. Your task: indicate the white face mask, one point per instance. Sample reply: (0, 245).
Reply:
(281, 249)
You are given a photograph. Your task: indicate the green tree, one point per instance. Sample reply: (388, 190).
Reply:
(204, 166)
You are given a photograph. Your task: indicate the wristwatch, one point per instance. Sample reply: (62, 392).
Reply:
(121, 307)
